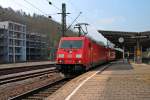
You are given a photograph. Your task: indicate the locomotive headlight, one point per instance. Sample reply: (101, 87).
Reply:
(79, 61)
(60, 55)
(60, 61)
(78, 55)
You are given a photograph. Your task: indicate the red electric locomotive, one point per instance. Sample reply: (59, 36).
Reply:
(78, 54)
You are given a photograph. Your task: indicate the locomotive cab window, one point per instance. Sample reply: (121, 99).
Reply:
(71, 44)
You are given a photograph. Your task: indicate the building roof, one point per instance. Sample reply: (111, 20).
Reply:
(130, 38)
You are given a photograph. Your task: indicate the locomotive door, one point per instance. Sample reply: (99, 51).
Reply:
(91, 56)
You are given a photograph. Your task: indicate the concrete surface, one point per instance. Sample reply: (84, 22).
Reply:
(120, 81)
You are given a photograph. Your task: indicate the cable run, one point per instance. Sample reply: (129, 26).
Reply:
(53, 5)
(74, 21)
(36, 7)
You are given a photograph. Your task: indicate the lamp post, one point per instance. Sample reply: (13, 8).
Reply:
(121, 40)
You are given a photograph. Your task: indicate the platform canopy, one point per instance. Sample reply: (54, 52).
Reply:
(128, 39)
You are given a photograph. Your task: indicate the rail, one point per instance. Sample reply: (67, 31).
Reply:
(25, 75)
(41, 92)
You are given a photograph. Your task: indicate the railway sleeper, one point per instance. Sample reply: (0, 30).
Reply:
(49, 92)
(42, 94)
(28, 99)
(36, 97)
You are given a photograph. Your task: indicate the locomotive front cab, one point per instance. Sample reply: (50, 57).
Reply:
(70, 54)
(70, 51)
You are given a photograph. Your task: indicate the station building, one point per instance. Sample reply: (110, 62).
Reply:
(18, 45)
(12, 42)
(36, 47)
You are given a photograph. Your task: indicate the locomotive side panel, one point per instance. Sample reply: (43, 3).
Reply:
(87, 54)
(98, 54)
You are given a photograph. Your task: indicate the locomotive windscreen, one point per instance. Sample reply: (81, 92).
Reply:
(71, 44)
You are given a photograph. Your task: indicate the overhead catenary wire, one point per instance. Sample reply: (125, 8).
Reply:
(35, 7)
(54, 13)
(13, 14)
(74, 21)
(20, 5)
(53, 5)
(77, 9)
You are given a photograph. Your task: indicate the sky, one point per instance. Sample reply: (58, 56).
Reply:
(116, 15)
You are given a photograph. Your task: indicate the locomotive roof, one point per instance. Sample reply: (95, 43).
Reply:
(98, 42)
(74, 38)
(83, 37)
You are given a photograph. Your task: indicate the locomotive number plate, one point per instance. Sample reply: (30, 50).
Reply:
(69, 56)
(69, 61)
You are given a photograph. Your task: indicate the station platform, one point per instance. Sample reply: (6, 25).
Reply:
(120, 81)
(24, 64)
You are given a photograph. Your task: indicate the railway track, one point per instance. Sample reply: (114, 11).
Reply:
(25, 75)
(12, 70)
(42, 92)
